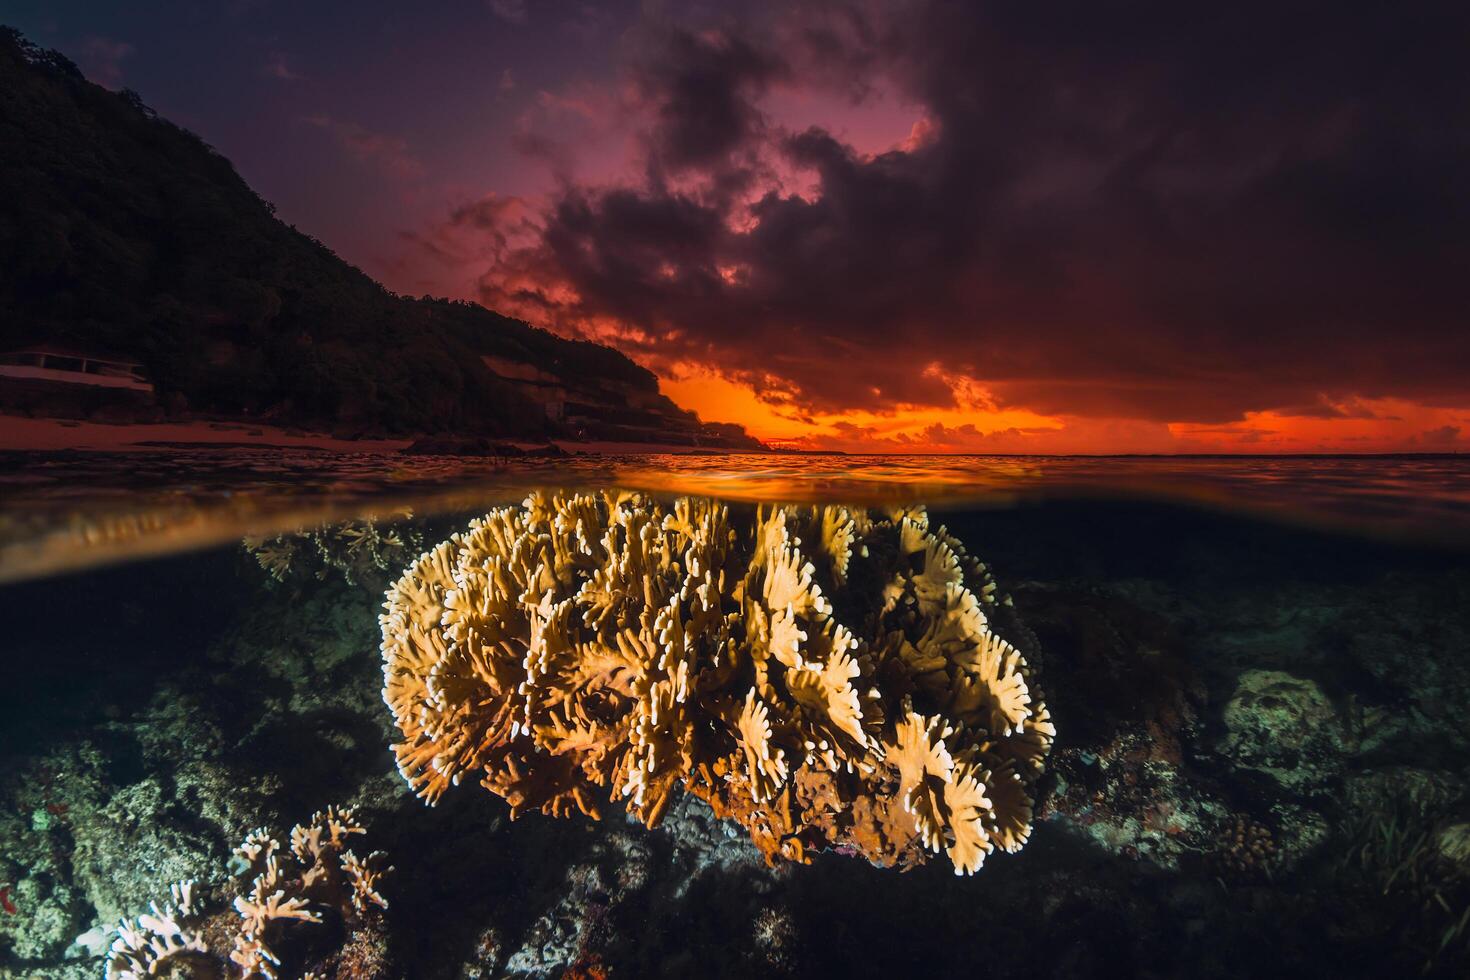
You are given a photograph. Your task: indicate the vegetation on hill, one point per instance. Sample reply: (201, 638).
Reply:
(120, 231)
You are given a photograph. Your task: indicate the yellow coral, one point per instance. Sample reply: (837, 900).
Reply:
(827, 677)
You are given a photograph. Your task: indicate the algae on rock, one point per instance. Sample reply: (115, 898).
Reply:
(1284, 727)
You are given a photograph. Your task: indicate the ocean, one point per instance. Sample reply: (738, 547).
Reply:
(1256, 673)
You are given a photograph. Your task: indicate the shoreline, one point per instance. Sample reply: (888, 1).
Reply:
(22, 434)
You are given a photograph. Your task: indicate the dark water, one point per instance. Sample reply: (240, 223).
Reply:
(1259, 672)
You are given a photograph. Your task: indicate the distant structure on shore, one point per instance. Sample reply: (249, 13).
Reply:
(69, 382)
(611, 407)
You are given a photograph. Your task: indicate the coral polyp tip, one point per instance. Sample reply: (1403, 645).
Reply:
(827, 677)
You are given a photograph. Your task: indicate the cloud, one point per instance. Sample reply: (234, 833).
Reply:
(588, 23)
(102, 59)
(1444, 437)
(389, 153)
(558, 127)
(276, 67)
(1100, 213)
(702, 90)
(510, 11)
(1071, 435)
(478, 231)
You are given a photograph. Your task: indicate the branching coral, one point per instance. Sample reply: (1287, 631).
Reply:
(355, 549)
(827, 677)
(157, 938)
(318, 878)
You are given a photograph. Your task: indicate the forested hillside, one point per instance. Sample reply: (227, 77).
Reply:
(120, 231)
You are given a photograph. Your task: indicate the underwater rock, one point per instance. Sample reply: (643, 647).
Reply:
(1297, 833)
(125, 846)
(1453, 843)
(1285, 728)
(1125, 783)
(40, 910)
(552, 944)
(616, 893)
(478, 446)
(1420, 702)
(100, 822)
(44, 917)
(1377, 790)
(706, 846)
(825, 677)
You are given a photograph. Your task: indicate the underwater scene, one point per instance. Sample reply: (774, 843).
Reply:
(723, 716)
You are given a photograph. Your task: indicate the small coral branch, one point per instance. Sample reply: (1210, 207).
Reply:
(354, 549)
(318, 878)
(827, 677)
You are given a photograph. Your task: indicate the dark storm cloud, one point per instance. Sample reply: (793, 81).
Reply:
(703, 89)
(1159, 211)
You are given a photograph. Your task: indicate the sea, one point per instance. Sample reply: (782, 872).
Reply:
(1258, 670)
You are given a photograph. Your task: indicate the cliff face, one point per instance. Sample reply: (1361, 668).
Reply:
(122, 232)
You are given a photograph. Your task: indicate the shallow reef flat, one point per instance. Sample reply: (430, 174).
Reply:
(1262, 766)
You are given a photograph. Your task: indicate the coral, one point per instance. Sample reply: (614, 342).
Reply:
(318, 878)
(588, 968)
(826, 677)
(158, 938)
(1246, 848)
(776, 937)
(355, 549)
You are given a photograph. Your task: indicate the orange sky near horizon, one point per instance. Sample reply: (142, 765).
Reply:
(1384, 425)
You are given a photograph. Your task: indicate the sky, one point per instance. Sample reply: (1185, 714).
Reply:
(886, 227)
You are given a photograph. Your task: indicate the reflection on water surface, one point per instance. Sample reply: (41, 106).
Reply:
(73, 509)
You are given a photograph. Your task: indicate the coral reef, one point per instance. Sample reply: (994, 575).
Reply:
(355, 549)
(317, 879)
(135, 758)
(827, 678)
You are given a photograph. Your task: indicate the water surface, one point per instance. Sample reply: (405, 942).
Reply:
(67, 510)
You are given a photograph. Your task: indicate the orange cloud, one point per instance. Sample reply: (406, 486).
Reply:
(1375, 426)
(976, 426)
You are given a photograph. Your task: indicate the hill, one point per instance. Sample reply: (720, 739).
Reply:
(123, 233)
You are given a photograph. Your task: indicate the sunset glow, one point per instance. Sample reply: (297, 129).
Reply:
(846, 228)
(1379, 425)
